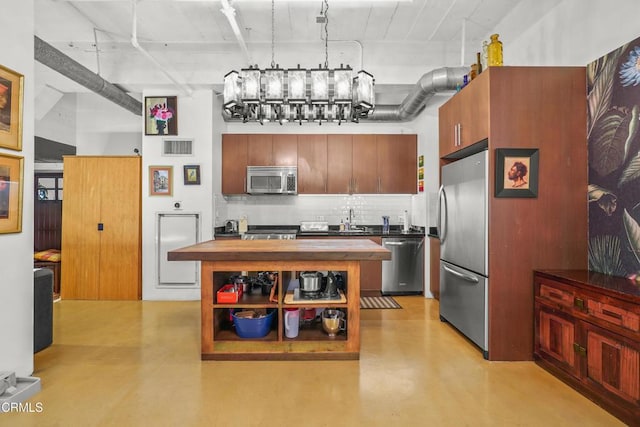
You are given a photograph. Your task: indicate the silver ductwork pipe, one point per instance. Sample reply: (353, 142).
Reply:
(439, 80)
(58, 61)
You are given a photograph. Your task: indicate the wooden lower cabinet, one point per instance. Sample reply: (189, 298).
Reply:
(588, 335)
(434, 267)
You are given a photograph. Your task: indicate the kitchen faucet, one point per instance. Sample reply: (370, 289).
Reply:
(350, 216)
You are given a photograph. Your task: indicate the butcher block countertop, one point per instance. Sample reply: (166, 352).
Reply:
(282, 250)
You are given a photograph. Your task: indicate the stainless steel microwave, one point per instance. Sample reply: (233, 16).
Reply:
(272, 180)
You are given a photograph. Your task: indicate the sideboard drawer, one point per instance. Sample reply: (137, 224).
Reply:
(556, 295)
(614, 314)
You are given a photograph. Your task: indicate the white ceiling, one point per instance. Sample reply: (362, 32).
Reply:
(192, 41)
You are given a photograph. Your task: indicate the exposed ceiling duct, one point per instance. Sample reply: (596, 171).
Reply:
(58, 61)
(439, 80)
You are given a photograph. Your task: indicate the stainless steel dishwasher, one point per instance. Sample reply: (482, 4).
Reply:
(404, 274)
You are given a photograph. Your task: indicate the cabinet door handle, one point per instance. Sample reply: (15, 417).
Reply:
(611, 314)
(579, 349)
(455, 135)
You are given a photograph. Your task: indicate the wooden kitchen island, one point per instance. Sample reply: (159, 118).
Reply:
(221, 259)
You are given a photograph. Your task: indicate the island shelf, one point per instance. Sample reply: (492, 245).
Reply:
(223, 259)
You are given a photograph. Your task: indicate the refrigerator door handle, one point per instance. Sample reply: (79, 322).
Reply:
(442, 197)
(461, 275)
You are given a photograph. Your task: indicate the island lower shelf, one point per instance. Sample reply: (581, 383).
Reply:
(220, 340)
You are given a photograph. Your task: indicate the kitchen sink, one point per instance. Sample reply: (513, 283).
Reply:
(357, 230)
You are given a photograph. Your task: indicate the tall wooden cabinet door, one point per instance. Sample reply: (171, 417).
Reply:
(397, 164)
(260, 149)
(339, 159)
(312, 164)
(556, 337)
(371, 271)
(474, 112)
(613, 363)
(365, 164)
(80, 235)
(448, 119)
(120, 246)
(234, 163)
(285, 150)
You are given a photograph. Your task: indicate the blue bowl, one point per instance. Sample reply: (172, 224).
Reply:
(253, 328)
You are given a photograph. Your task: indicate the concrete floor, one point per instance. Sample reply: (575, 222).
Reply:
(138, 364)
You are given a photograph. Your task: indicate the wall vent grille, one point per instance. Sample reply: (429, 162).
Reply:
(177, 147)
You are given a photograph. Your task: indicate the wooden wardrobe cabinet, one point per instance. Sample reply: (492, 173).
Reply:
(587, 333)
(101, 228)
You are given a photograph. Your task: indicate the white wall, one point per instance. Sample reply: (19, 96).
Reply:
(59, 123)
(574, 33)
(16, 250)
(195, 116)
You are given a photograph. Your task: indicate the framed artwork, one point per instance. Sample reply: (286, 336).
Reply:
(517, 172)
(161, 115)
(192, 175)
(11, 94)
(11, 179)
(160, 180)
(420, 161)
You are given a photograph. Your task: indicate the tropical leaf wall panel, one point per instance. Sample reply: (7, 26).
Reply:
(614, 161)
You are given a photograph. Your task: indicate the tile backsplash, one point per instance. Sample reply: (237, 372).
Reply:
(290, 210)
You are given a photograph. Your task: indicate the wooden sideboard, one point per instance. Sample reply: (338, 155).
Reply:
(587, 333)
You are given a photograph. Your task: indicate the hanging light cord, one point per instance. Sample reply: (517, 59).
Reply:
(273, 33)
(326, 34)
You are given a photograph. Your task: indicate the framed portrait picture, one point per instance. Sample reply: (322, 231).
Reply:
(192, 175)
(517, 172)
(160, 180)
(11, 179)
(161, 115)
(11, 93)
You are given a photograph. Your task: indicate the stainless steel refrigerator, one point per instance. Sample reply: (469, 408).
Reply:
(463, 232)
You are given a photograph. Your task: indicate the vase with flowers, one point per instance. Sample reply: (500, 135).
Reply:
(161, 113)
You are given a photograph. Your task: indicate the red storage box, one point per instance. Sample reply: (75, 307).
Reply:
(228, 294)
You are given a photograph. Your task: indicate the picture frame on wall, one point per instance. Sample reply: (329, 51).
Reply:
(191, 174)
(11, 95)
(11, 188)
(516, 172)
(160, 180)
(161, 115)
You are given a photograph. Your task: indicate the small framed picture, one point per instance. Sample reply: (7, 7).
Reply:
(161, 115)
(517, 172)
(192, 175)
(11, 94)
(160, 180)
(11, 187)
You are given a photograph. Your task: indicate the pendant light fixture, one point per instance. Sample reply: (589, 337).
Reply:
(298, 94)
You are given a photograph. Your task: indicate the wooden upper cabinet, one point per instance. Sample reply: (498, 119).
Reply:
(327, 164)
(312, 164)
(365, 163)
(339, 161)
(272, 149)
(397, 164)
(234, 163)
(464, 119)
(285, 150)
(259, 150)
